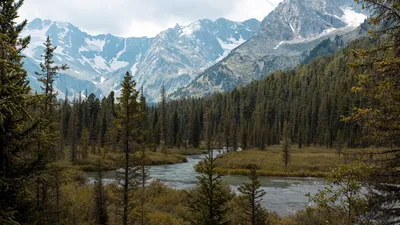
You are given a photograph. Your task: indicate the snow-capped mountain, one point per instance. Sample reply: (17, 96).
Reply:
(98, 63)
(285, 37)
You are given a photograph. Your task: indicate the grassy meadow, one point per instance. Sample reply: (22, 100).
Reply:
(304, 162)
(112, 160)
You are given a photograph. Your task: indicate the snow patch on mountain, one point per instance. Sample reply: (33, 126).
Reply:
(38, 37)
(228, 46)
(279, 44)
(115, 65)
(92, 45)
(190, 29)
(231, 43)
(100, 64)
(352, 18)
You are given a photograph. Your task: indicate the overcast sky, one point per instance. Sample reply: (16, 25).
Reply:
(130, 18)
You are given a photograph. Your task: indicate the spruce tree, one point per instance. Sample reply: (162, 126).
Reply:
(208, 203)
(378, 72)
(47, 76)
(48, 126)
(251, 198)
(163, 123)
(234, 135)
(16, 126)
(195, 130)
(129, 109)
(48, 123)
(175, 129)
(100, 196)
(73, 138)
(64, 123)
(156, 129)
(84, 143)
(227, 126)
(286, 144)
(244, 136)
(144, 175)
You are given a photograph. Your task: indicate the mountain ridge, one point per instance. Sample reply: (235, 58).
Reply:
(286, 34)
(100, 61)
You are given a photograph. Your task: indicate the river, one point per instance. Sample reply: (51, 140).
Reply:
(283, 195)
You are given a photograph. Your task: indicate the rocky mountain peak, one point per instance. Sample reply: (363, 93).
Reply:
(286, 34)
(98, 62)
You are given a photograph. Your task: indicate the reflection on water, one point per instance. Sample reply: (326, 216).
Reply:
(284, 195)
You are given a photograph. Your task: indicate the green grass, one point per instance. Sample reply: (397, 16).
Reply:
(112, 161)
(305, 162)
(183, 151)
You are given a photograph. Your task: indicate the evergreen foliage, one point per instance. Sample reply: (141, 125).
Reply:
(252, 195)
(286, 144)
(208, 202)
(378, 82)
(129, 109)
(16, 125)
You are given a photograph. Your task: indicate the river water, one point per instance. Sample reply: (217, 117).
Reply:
(283, 195)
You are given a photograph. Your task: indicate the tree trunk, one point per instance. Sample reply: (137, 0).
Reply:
(126, 186)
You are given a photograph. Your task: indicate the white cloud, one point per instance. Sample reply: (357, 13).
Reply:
(142, 17)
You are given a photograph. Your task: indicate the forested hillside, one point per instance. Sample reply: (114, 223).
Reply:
(312, 98)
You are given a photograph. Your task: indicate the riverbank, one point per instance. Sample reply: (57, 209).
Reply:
(304, 162)
(113, 161)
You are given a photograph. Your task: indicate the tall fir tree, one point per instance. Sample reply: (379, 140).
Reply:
(175, 129)
(15, 121)
(378, 82)
(129, 110)
(286, 144)
(251, 198)
(48, 123)
(164, 116)
(84, 144)
(208, 203)
(100, 196)
(73, 137)
(195, 130)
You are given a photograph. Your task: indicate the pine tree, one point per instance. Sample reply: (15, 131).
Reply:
(129, 109)
(234, 135)
(84, 143)
(286, 144)
(244, 136)
(101, 214)
(144, 123)
(64, 123)
(163, 123)
(208, 129)
(208, 204)
(195, 130)
(144, 175)
(175, 129)
(252, 195)
(227, 126)
(378, 72)
(73, 138)
(103, 129)
(156, 129)
(47, 76)
(48, 127)
(15, 124)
